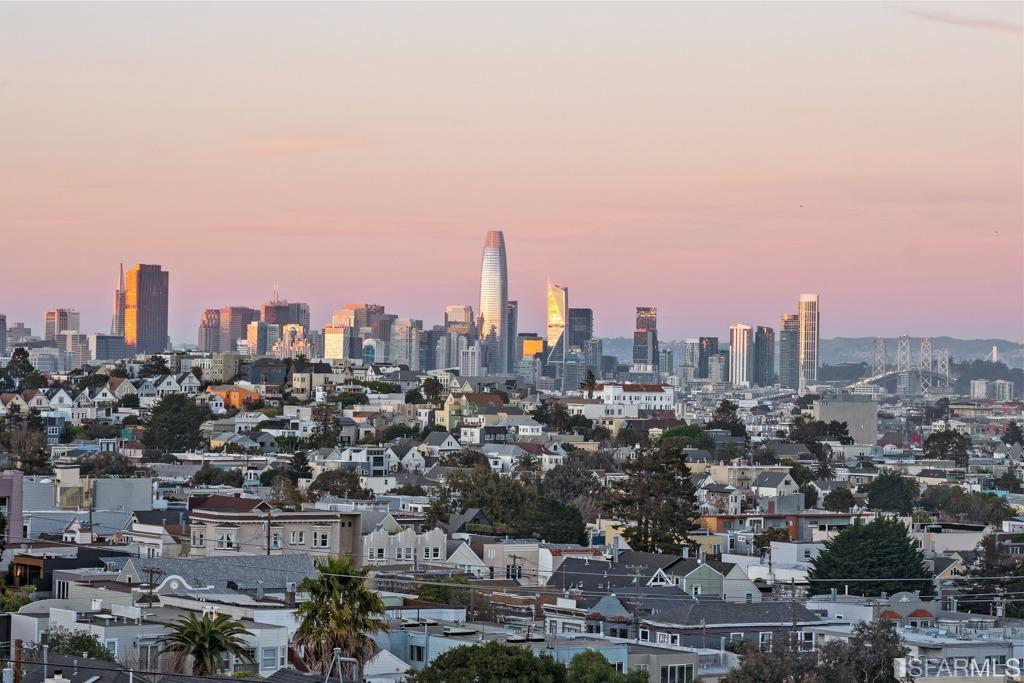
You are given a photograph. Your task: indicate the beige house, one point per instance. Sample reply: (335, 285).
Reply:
(226, 532)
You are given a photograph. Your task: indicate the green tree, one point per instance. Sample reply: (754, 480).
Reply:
(208, 475)
(875, 558)
(528, 467)
(551, 521)
(839, 500)
(299, 467)
(948, 444)
(20, 373)
(154, 367)
(867, 655)
(801, 473)
(28, 445)
(655, 501)
(106, 465)
(955, 504)
(72, 643)
(763, 540)
(327, 433)
(686, 436)
(810, 496)
(782, 662)
(204, 640)
(1013, 434)
(560, 417)
(995, 578)
(1008, 481)
(493, 661)
(341, 483)
(726, 416)
(343, 611)
(589, 383)
(173, 425)
(284, 493)
(14, 600)
(590, 666)
(892, 492)
(542, 413)
(433, 390)
(824, 471)
(569, 480)
(414, 397)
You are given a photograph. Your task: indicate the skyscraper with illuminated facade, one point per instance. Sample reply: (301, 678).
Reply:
(809, 319)
(145, 308)
(492, 315)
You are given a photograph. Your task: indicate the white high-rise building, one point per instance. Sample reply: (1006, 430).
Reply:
(491, 321)
(691, 353)
(808, 351)
(470, 364)
(741, 355)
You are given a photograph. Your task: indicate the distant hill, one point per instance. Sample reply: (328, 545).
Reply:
(860, 349)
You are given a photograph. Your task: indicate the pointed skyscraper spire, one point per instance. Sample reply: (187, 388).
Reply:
(117, 320)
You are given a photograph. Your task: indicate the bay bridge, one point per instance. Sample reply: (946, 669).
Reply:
(930, 369)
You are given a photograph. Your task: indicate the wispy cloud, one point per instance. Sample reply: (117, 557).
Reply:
(965, 22)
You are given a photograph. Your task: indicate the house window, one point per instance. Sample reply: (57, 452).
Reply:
(750, 597)
(695, 590)
(677, 673)
(226, 540)
(111, 646)
(320, 539)
(736, 637)
(198, 538)
(283, 657)
(437, 553)
(764, 640)
(416, 653)
(645, 635)
(297, 537)
(275, 540)
(513, 571)
(269, 659)
(426, 553)
(380, 553)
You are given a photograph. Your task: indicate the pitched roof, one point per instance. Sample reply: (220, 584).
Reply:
(721, 613)
(770, 479)
(436, 438)
(229, 503)
(275, 571)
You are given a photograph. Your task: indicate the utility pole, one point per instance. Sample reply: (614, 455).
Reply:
(269, 518)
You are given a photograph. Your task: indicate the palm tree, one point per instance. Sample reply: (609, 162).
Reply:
(824, 470)
(341, 612)
(528, 466)
(205, 640)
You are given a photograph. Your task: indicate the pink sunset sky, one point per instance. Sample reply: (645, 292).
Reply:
(714, 160)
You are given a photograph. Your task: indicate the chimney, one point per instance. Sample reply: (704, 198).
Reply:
(259, 589)
(289, 594)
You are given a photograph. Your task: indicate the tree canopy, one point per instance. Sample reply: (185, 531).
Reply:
(493, 661)
(839, 499)
(173, 425)
(876, 557)
(655, 501)
(342, 483)
(948, 444)
(892, 492)
(726, 416)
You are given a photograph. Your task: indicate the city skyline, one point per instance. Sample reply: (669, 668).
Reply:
(843, 176)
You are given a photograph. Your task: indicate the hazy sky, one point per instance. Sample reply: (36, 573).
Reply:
(714, 160)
